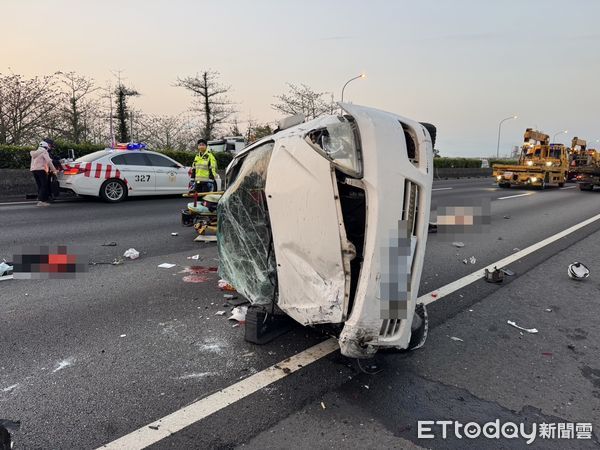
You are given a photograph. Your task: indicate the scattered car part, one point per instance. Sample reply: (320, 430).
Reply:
(507, 272)
(494, 276)
(578, 271)
(131, 253)
(527, 330)
(458, 244)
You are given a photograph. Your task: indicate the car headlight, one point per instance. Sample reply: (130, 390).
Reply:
(498, 177)
(549, 163)
(530, 163)
(533, 179)
(340, 142)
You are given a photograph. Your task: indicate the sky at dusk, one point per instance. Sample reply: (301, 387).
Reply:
(463, 65)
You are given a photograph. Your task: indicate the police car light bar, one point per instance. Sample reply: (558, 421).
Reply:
(131, 146)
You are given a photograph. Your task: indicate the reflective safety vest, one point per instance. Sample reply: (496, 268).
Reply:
(205, 165)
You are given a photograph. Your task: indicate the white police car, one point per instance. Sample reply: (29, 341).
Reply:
(128, 170)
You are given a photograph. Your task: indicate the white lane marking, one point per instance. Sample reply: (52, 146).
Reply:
(177, 421)
(17, 203)
(513, 196)
(6, 277)
(568, 187)
(478, 274)
(442, 189)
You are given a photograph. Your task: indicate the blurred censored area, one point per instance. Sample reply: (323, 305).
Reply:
(471, 217)
(395, 282)
(49, 262)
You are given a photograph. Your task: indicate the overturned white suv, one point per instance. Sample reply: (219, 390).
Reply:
(326, 221)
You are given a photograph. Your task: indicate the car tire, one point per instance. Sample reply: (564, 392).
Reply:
(561, 185)
(113, 191)
(585, 187)
(543, 185)
(504, 185)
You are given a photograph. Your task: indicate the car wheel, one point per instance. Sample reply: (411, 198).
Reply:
(561, 185)
(543, 185)
(585, 187)
(113, 191)
(504, 185)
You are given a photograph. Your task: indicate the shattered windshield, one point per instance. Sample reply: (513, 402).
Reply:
(247, 260)
(339, 142)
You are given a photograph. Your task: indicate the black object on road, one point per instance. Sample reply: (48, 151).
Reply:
(262, 327)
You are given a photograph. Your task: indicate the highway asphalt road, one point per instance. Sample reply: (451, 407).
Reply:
(85, 361)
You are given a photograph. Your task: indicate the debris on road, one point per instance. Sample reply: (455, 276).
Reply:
(239, 314)
(174, 234)
(123, 335)
(166, 265)
(527, 330)
(220, 313)
(454, 338)
(131, 253)
(571, 347)
(153, 427)
(225, 286)
(433, 228)
(194, 257)
(458, 244)
(547, 354)
(578, 271)
(516, 249)
(494, 276)
(507, 217)
(229, 296)
(508, 272)
(109, 244)
(548, 310)
(473, 260)
(322, 405)
(117, 261)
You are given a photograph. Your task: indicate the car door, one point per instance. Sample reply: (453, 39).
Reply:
(137, 171)
(171, 177)
(308, 234)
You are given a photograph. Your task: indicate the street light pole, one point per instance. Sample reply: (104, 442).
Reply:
(362, 75)
(499, 128)
(560, 132)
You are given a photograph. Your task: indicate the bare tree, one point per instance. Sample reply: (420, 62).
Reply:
(165, 132)
(212, 102)
(123, 114)
(303, 100)
(256, 131)
(27, 108)
(77, 105)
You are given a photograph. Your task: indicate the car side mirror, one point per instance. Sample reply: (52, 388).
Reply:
(177, 166)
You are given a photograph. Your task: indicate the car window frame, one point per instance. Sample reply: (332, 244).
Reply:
(146, 159)
(165, 157)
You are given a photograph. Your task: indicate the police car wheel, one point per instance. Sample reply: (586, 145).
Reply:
(113, 191)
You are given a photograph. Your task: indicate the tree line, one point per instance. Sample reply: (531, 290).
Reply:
(74, 108)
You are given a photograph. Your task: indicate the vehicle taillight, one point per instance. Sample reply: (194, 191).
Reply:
(73, 170)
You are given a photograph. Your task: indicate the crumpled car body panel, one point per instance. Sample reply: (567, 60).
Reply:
(306, 233)
(347, 225)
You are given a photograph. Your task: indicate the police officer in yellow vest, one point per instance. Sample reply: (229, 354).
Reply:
(205, 168)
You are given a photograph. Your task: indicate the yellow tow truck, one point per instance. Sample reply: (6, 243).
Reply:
(540, 164)
(585, 168)
(578, 156)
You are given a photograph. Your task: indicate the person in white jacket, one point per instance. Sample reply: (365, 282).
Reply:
(41, 164)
